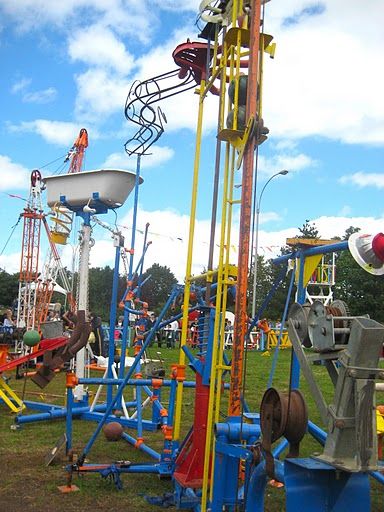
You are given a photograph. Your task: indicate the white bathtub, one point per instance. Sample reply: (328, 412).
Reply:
(113, 186)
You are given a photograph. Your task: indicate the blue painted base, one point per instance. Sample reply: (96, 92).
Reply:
(312, 486)
(80, 410)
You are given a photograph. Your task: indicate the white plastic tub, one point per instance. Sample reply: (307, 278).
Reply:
(113, 186)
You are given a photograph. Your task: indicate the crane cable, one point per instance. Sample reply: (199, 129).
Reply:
(10, 236)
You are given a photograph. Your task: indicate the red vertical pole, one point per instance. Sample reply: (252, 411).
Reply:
(241, 317)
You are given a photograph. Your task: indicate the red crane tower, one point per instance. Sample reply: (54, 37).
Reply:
(29, 273)
(76, 153)
(62, 220)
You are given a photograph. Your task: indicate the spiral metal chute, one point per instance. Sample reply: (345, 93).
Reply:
(139, 107)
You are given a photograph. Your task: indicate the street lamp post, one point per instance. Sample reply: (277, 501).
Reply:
(258, 202)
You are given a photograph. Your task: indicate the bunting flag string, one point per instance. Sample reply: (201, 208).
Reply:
(267, 248)
(15, 196)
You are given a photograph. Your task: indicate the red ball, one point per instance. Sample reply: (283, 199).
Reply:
(113, 431)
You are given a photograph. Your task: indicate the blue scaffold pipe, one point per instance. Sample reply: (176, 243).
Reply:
(117, 397)
(134, 382)
(112, 320)
(280, 448)
(172, 400)
(135, 206)
(68, 420)
(321, 249)
(321, 437)
(126, 313)
(257, 484)
(55, 414)
(139, 410)
(275, 355)
(142, 447)
(268, 298)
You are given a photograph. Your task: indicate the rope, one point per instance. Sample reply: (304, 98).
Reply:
(10, 236)
(53, 161)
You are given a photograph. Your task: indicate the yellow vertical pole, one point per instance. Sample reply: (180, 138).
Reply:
(187, 288)
(214, 383)
(217, 371)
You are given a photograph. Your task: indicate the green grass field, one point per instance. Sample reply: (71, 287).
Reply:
(27, 484)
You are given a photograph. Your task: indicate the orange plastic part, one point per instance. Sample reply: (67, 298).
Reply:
(157, 383)
(71, 380)
(139, 442)
(163, 412)
(178, 372)
(168, 432)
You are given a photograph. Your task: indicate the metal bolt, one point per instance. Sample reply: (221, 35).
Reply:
(339, 423)
(352, 373)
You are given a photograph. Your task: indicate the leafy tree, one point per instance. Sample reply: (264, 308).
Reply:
(349, 231)
(100, 291)
(9, 284)
(362, 292)
(262, 284)
(157, 289)
(308, 230)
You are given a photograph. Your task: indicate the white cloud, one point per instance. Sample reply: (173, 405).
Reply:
(159, 155)
(284, 145)
(53, 132)
(178, 5)
(126, 16)
(100, 94)
(13, 176)
(324, 79)
(43, 96)
(268, 217)
(290, 162)
(168, 233)
(364, 179)
(181, 109)
(10, 262)
(345, 211)
(98, 46)
(20, 85)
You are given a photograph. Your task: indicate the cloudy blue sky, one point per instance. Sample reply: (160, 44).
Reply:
(67, 65)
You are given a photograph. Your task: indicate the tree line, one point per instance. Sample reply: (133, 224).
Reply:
(362, 292)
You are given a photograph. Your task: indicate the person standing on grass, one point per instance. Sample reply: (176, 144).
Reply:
(174, 327)
(152, 321)
(96, 329)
